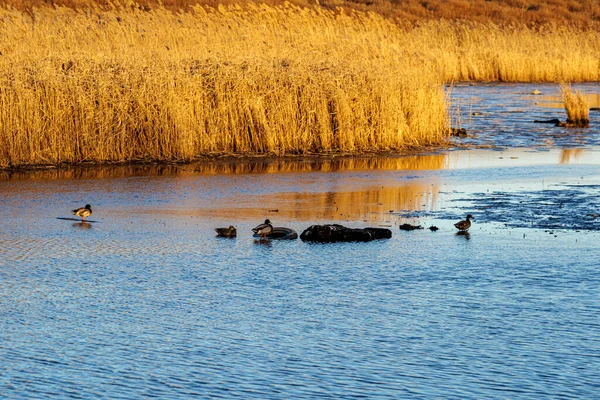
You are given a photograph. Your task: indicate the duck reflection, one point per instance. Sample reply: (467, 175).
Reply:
(82, 225)
(263, 242)
(464, 234)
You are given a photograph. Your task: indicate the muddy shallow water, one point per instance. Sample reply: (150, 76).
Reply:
(146, 302)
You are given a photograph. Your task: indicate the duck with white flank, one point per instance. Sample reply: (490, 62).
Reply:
(83, 212)
(464, 225)
(263, 229)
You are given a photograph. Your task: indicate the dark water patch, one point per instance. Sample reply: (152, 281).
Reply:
(569, 207)
(504, 115)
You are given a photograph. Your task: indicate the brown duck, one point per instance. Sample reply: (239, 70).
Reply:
(464, 225)
(226, 232)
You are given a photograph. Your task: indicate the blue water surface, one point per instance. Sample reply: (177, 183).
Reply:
(145, 302)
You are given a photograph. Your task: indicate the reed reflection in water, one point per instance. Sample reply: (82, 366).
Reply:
(556, 101)
(366, 205)
(309, 189)
(569, 155)
(335, 189)
(237, 166)
(449, 160)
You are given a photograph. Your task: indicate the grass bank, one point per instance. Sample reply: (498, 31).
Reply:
(125, 83)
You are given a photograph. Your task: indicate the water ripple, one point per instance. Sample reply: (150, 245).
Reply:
(147, 303)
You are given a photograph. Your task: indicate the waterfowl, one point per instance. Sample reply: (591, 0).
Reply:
(226, 232)
(464, 225)
(83, 212)
(263, 229)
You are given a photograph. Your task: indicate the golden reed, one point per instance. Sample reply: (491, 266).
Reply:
(576, 106)
(123, 84)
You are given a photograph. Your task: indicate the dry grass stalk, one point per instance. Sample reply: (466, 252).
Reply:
(578, 110)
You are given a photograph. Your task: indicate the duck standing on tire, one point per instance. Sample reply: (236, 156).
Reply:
(464, 225)
(263, 229)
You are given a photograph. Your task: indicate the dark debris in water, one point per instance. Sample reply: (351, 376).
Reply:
(410, 227)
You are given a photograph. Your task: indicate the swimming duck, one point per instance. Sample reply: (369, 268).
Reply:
(83, 212)
(226, 232)
(263, 229)
(464, 225)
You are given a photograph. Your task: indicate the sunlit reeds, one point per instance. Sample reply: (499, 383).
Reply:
(578, 110)
(486, 52)
(125, 83)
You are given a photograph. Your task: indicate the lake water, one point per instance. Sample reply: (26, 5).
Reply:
(145, 301)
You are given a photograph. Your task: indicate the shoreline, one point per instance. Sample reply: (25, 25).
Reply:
(228, 159)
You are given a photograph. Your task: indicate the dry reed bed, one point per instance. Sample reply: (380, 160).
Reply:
(126, 84)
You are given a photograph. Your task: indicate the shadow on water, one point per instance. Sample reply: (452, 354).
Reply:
(87, 221)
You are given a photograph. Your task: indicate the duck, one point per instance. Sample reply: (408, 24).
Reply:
(263, 229)
(83, 212)
(226, 232)
(464, 225)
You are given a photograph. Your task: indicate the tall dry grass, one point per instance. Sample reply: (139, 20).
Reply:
(576, 106)
(124, 83)
(127, 84)
(486, 52)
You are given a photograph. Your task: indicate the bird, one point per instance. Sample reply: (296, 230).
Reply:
(464, 225)
(226, 232)
(263, 229)
(83, 212)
